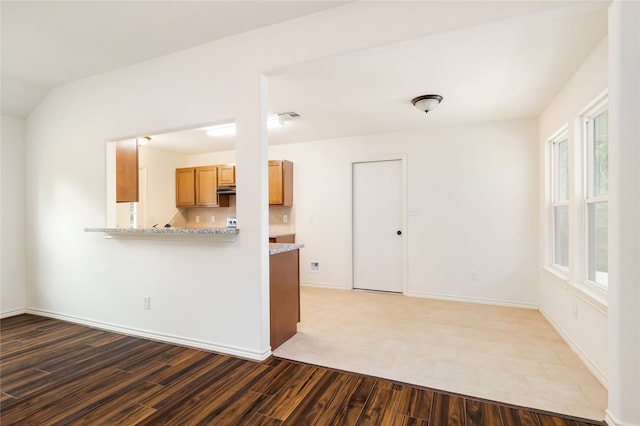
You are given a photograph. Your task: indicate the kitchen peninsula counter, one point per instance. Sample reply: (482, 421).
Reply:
(284, 291)
(167, 231)
(212, 234)
(284, 271)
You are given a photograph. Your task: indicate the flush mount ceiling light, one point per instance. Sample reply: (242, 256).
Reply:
(426, 102)
(273, 121)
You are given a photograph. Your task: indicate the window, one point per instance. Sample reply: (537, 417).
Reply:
(560, 199)
(596, 194)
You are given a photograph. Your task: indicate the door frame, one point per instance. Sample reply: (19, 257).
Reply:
(371, 159)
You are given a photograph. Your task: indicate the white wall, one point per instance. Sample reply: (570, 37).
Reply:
(624, 215)
(12, 224)
(470, 193)
(560, 295)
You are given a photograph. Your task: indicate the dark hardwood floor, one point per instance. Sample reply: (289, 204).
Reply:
(55, 372)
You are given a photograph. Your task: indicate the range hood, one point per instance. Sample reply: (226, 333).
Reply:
(226, 190)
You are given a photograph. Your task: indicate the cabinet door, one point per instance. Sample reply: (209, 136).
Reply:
(185, 194)
(227, 175)
(281, 183)
(127, 171)
(284, 296)
(206, 186)
(275, 182)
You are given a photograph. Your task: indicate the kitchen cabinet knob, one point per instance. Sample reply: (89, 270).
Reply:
(399, 232)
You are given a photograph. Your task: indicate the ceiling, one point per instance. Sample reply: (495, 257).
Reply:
(505, 70)
(48, 43)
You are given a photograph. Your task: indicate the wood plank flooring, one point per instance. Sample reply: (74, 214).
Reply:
(59, 373)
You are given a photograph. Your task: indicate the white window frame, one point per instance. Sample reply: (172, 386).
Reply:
(561, 135)
(594, 111)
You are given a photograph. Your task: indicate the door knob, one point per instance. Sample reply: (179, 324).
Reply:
(399, 232)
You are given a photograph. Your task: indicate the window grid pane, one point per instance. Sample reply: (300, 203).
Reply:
(596, 205)
(598, 247)
(600, 155)
(561, 236)
(562, 171)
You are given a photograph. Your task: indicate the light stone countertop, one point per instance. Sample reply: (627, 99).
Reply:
(169, 231)
(277, 248)
(185, 234)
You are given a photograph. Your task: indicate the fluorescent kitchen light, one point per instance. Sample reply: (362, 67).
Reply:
(274, 121)
(222, 130)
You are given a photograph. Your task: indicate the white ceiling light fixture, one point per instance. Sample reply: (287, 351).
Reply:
(273, 121)
(426, 103)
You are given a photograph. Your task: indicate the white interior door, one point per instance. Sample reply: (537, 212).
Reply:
(377, 225)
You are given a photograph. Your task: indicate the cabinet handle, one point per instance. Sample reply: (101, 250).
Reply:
(399, 232)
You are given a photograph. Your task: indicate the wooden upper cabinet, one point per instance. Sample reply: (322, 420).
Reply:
(226, 175)
(127, 171)
(207, 186)
(185, 192)
(198, 186)
(280, 183)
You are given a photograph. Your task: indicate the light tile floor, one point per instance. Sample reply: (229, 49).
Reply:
(503, 354)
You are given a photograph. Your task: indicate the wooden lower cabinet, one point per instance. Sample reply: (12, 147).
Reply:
(284, 296)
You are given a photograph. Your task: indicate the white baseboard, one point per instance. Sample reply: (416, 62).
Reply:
(12, 313)
(439, 296)
(162, 337)
(323, 285)
(611, 420)
(591, 366)
(482, 301)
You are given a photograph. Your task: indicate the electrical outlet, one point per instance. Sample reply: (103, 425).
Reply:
(314, 266)
(232, 222)
(197, 219)
(213, 219)
(474, 276)
(146, 303)
(285, 218)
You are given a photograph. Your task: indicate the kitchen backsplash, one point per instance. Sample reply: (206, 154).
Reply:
(201, 217)
(277, 225)
(210, 217)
